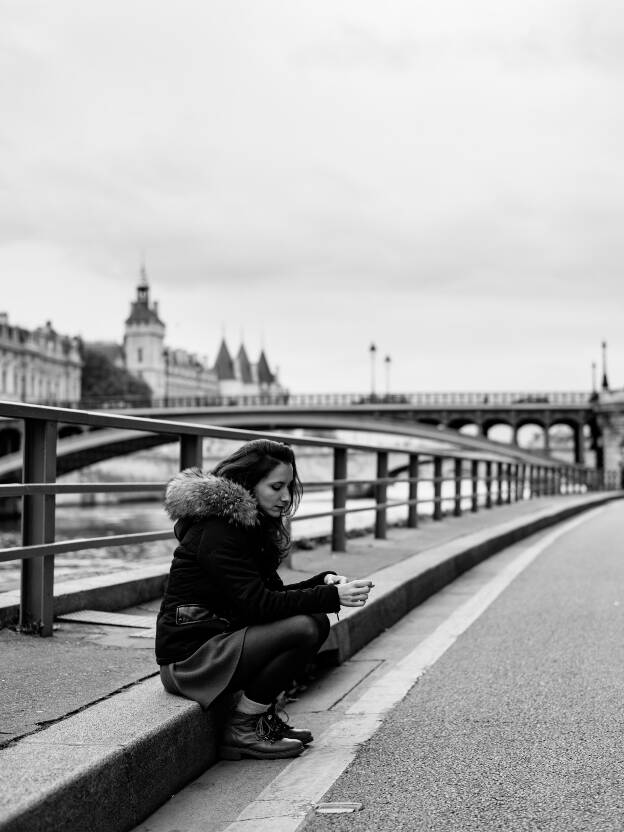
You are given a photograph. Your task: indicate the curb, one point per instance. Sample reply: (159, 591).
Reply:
(102, 769)
(109, 592)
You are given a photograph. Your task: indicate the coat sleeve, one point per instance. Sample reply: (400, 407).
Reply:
(316, 580)
(226, 556)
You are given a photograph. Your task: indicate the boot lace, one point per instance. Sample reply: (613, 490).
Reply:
(269, 727)
(278, 717)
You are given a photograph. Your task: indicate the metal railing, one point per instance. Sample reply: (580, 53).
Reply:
(479, 480)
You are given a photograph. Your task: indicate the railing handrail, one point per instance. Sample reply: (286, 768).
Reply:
(503, 471)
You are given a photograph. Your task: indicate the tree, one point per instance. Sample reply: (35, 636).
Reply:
(103, 381)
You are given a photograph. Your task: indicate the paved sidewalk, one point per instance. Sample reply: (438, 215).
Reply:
(44, 680)
(110, 755)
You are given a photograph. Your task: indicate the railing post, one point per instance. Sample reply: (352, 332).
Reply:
(37, 584)
(474, 480)
(380, 495)
(339, 521)
(437, 488)
(412, 509)
(457, 509)
(191, 451)
(508, 468)
(523, 479)
(488, 484)
(499, 483)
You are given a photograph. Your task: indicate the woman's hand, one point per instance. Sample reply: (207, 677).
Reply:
(332, 579)
(354, 593)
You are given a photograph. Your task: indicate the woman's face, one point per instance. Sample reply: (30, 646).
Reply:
(272, 492)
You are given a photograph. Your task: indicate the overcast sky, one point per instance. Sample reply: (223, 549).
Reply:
(443, 178)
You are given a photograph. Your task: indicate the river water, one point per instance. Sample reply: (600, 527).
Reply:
(110, 517)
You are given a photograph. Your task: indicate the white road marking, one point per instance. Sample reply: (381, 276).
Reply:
(286, 802)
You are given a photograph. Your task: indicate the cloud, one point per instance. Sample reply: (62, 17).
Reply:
(348, 171)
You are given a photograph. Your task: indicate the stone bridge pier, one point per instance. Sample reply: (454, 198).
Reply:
(609, 410)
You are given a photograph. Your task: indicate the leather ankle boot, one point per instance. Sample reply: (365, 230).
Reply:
(253, 735)
(279, 719)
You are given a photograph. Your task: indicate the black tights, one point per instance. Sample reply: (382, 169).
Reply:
(273, 654)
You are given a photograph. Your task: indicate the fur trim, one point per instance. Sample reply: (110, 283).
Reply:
(196, 495)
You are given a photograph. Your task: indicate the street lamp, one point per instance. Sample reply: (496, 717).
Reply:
(387, 362)
(373, 351)
(605, 381)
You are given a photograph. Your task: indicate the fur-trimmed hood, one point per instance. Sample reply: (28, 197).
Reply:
(193, 495)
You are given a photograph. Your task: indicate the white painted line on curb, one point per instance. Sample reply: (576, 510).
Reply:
(286, 802)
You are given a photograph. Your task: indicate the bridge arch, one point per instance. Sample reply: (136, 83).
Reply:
(532, 434)
(503, 429)
(466, 425)
(430, 420)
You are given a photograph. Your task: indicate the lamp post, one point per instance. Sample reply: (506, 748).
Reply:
(605, 381)
(373, 352)
(387, 362)
(594, 391)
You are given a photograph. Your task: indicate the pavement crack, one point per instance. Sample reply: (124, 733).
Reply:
(41, 726)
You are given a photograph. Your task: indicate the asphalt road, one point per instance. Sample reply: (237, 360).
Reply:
(520, 724)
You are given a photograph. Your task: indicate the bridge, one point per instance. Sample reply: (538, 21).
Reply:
(591, 420)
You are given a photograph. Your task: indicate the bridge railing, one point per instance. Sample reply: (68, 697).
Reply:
(444, 482)
(422, 399)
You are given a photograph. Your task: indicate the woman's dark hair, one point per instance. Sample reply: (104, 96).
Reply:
(251, 463)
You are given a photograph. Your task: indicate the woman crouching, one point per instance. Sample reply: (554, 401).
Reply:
(227, 622)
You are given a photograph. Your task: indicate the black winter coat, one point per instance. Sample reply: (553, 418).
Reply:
(220, 578)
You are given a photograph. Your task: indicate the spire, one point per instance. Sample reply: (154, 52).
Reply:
(140, 310)
(224, 366)
(605, 380)
(264, 373)
(143, 287)
(244, 365)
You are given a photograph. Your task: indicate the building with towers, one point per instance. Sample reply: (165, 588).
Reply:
(174, 373)
(42, 366)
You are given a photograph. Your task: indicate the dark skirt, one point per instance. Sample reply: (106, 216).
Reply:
(208, 672)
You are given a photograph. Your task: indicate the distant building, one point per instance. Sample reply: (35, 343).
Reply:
(174, 373)
(170, 373)
(38, 365)
(240, 377)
